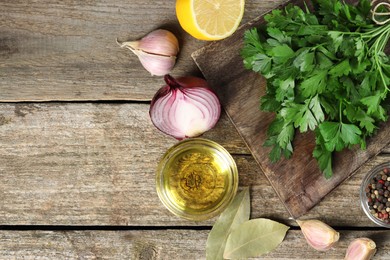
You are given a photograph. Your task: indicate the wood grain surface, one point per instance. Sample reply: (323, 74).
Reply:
(67, 50)
(93, 164)
(158, 244)
(78, 152)
(298, 181)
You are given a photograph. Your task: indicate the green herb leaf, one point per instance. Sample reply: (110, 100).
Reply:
(286, 135)
(350, 134)
(285, 89)
(282, 53)
(254, 238)
(234, 215)
(330, 132)
(315, 84)
(327, 71)
(268, 103)
(278, 35)
(261, 63)
(315, 107)
(337, 38)
(343, 68)
(323, 156)
(365, 121)
(305, 61)
(372, 103)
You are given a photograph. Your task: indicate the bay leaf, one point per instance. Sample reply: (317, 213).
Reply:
(236, 213)
(254, 238)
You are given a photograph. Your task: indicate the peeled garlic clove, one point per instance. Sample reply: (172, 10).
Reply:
(318, 235)
(157, 51)
(361, 249)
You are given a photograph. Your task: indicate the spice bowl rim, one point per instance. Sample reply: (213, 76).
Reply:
(363, 197)
(225, 200)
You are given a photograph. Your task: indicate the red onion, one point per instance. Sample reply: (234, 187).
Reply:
(185, 107)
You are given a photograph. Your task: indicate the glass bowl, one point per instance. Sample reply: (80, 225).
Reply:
(375, 195)
(196, 179)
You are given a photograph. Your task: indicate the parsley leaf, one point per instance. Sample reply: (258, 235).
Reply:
(326, 72)
(323, 156)
(350, 134)
(315, 84)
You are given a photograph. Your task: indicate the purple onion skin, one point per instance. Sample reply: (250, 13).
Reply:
(182, 83)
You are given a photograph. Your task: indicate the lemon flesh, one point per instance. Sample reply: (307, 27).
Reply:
(210, 19)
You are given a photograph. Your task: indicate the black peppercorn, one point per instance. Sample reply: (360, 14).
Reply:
(378, 195)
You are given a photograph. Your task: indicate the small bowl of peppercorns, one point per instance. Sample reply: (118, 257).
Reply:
(375, 195)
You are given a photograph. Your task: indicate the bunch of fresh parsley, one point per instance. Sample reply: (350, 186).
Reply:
(326, 71)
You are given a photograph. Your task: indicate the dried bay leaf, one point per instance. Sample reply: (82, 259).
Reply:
(234, 215)
(254, 238)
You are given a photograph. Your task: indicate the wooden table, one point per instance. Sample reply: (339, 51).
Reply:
(78, 151)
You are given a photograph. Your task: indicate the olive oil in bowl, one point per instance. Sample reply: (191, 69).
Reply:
(196, 179)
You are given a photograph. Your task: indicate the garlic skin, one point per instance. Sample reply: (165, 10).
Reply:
(361, 249)
(160, 42)
(157, 65)
(156, 51)
(318, 235)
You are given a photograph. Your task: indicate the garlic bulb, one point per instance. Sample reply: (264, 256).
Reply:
(318, 235)
(156, 51)
(360, 249)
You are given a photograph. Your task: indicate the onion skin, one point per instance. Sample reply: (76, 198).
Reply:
(185, 107)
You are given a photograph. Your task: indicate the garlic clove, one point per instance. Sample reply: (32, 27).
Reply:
(160, 42)
(157, 65)
(361, 249)
(156, 51)
(318, 235)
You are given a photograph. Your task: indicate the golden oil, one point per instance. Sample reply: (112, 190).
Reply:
(196, 179)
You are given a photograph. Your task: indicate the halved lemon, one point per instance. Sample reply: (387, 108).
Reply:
(210, 19)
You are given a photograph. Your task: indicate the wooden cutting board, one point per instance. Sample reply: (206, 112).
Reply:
(298, 180)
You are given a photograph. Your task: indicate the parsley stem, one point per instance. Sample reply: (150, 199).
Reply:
(340, 111)
(375, 32)
(384, 40)
(380, 44)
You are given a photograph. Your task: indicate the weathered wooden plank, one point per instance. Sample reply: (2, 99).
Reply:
(159, 244)
(88, 164)
(386, 150)
(48, 121)
(66, 50)
(93, 164)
